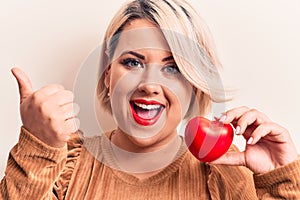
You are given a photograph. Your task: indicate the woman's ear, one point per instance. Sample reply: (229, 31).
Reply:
(107, 76)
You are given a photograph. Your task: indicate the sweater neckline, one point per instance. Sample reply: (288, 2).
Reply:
(112, 163)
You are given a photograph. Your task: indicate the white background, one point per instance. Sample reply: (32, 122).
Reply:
(257, 41)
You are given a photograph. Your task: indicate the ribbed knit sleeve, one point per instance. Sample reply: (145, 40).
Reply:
(281, 183)
(32, 169)
(74, 149)
(231, 182)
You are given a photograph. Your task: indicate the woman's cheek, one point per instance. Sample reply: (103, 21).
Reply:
(182, 92)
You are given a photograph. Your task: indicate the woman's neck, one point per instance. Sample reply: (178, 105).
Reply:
(144, 161)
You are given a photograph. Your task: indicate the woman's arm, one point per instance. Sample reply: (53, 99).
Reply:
(281, 183)
(32, 169)
(270, 154)
(49, 119)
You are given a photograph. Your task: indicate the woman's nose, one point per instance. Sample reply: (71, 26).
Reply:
(150, 83)
(150, 88)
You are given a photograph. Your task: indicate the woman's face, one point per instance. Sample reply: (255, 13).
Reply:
(149, 96)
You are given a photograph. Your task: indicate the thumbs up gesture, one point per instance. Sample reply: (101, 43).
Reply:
(48, 113)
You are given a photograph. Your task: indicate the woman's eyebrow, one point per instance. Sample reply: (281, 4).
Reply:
(140, 56)
(168, 58)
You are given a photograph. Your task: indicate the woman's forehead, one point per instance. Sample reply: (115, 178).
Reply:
(140, 36)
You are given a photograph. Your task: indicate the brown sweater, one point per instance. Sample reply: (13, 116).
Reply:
(37, 171)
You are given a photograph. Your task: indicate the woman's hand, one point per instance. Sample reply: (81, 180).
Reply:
(47, 113)
(269, 145)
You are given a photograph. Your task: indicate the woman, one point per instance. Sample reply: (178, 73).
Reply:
(158, 68)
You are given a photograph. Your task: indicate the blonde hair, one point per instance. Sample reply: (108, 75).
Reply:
(188, 39)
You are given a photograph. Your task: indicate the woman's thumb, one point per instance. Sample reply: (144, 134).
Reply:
(231, 158)
(25, 86)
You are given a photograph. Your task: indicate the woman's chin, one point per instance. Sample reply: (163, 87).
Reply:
(151, 143)
(145, 143)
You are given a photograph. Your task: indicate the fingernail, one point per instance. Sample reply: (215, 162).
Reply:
(237, 130)
(250, 140)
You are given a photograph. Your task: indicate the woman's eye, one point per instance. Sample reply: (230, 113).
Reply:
(171, 69)
(131, 62)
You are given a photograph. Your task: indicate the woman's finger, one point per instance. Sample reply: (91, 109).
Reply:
(62, 97)
(270, 131)
(51, 89)
(250, 117)
(24, 83)
(70, 110)
(234, 114)
(72, 125)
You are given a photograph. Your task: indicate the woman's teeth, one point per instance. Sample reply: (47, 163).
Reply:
(148, 107)
(146, 113)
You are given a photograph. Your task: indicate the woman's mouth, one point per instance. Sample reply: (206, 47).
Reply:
(146, 112)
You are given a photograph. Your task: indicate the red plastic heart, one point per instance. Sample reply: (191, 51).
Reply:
(208, 140)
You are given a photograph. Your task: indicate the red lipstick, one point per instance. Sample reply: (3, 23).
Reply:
(146, 112)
